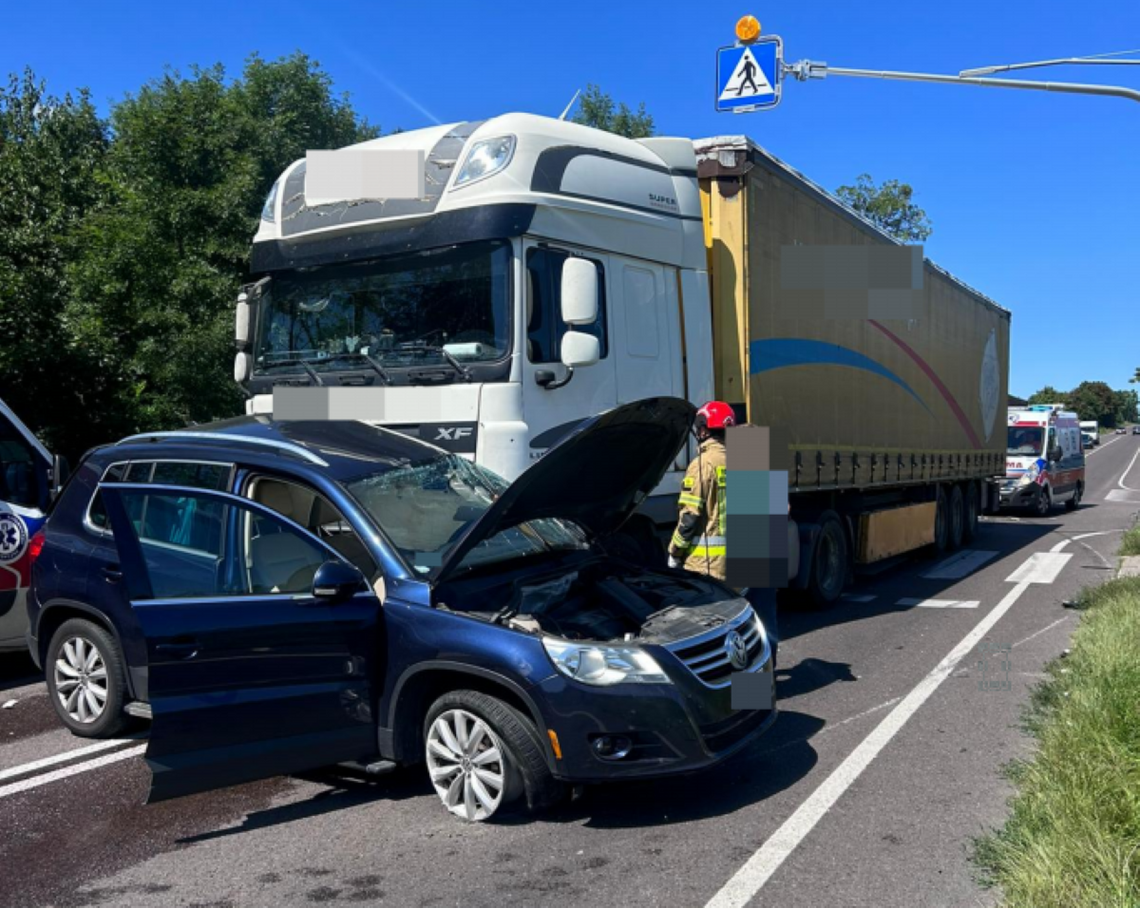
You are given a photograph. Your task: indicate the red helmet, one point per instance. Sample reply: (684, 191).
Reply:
(715, 415)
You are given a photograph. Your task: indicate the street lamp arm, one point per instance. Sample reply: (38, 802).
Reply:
(806, 69)
(987, 70)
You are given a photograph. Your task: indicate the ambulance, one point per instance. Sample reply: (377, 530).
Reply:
(26, 471)
(1045, 459)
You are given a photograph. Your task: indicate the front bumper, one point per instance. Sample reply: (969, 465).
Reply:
(674, 729)
(1020, 496)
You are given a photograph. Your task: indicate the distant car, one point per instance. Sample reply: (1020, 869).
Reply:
(1121, 430)
(1136, 430)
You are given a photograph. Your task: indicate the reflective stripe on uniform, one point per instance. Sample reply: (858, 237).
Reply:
(691, 501)
(680, 542)
(721, 500)
(711, 551)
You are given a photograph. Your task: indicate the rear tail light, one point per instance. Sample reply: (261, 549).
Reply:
(35, 546)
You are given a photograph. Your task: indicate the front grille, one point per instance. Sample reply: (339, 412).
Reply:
(707, 657)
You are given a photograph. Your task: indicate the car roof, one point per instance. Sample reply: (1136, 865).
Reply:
(343, 450)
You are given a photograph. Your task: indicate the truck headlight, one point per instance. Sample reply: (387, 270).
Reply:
(485, 157)
(603, 666)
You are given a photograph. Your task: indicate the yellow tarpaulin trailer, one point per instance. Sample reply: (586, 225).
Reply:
(880, 370)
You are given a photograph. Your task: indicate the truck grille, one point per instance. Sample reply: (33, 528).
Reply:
(707, 656)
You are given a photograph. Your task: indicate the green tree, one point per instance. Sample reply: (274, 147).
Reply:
(51, 150)
(1135, 378)
(1094, 400)
(188, 171)
(890, 206)
(598, 109)
(1049, 395)
(1126, 406)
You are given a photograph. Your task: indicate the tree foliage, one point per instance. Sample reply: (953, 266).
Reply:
(890, 206)
(1094, 400)
(140, 230)
(598, 109)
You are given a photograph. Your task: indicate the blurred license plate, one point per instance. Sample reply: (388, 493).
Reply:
(752, 690)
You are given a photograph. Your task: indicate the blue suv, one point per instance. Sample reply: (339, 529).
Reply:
(277, 596)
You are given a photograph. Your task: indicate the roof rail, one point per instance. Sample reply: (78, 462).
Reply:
(284, 446)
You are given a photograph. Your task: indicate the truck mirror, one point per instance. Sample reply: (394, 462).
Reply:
(241, 320)
(580, 349)
(242, 364)
(579, 292)
(1056, 454)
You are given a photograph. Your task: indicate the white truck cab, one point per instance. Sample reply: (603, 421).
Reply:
(550, 272)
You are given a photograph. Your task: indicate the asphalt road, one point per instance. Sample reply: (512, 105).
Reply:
(885, 763)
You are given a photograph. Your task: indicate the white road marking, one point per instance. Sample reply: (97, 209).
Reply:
(36, 781)
(1042, 567)
(750, 878)
(1120, 495)
(958, 566)
(1126, 471)
(940, 603)
(831, 727)
(860, 598)
(1043, 630)
(1101, 447)
(64, 757)
(1060, 545)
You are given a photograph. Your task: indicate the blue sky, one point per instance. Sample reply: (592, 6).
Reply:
(1033, 196)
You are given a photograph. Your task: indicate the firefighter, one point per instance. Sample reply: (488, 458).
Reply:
(699, 542)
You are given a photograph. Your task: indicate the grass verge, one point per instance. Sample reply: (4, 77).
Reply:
(1073, 837)
(1131, 543)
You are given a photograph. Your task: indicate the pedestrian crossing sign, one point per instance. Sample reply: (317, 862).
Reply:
(748, 75)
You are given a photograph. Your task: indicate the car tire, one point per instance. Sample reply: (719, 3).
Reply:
(970, 513)
(1075, 502)
(79, 656)
(1043, 503)
(941, 522)
(521, 766)
(829, 563)
(955, 519)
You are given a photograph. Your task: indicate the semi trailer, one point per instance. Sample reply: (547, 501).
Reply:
(547, 271)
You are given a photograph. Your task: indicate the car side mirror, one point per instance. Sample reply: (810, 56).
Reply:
(579, 350)
(579, 292)
(1056, 454)
(336, 581)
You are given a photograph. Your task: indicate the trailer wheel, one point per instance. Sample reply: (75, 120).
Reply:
(941, 522)
(970, 524)
(829, 562)
(956, 519)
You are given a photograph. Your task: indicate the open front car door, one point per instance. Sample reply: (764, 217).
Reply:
(262, 643)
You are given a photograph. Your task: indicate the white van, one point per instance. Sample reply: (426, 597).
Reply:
(26, 470)
(1090, 432)
(1045, 460)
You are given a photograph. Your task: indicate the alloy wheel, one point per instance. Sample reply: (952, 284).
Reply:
(467, 764)
(81, 680)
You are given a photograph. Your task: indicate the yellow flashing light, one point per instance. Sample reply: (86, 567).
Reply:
(747, 29)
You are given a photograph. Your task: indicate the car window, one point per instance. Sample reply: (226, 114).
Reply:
(214, 476)
(21, 476)
(544, 306)
(194, 546)
(312, 510)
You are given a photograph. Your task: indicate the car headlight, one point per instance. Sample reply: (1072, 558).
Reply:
(485, 157)
(603, 666)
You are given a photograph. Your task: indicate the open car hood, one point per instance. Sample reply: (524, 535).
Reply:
(595, 477)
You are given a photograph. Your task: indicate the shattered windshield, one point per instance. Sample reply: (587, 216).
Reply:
(399, 311)
(425, 509)
(1024, 440)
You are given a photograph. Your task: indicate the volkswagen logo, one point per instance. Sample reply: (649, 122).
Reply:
(737, 649)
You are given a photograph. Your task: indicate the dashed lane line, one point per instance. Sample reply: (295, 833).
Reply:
(66, 757)
(16, 788)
